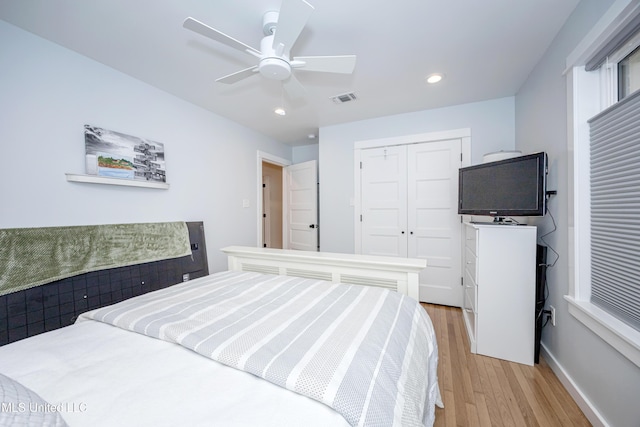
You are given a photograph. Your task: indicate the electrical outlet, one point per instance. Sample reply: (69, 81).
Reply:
(552, 309)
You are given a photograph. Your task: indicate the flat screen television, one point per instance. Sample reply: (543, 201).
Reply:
(505, 188)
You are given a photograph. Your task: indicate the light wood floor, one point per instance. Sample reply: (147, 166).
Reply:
(483, 391)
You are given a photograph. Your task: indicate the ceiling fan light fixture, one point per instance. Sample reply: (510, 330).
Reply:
(275, 68)
(280, 111)
(434, 78)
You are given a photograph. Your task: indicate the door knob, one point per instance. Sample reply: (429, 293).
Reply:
(312, 226)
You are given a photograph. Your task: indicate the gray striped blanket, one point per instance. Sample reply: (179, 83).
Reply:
(368, 353)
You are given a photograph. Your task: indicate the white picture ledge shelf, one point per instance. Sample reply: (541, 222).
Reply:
(93, 179)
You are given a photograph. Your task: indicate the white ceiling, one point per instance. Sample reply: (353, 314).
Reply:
(486, 49)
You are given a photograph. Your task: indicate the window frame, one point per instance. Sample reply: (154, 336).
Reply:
(589, 93)
(636, 53)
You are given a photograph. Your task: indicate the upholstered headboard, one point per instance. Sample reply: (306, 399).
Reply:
(56, 304)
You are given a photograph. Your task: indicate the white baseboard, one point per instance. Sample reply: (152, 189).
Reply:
(592, 414)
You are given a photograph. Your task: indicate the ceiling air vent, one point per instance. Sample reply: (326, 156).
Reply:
(345, 97)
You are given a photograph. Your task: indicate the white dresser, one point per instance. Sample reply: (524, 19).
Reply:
(499, 264)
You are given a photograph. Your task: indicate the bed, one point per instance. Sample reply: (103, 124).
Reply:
(239, 347)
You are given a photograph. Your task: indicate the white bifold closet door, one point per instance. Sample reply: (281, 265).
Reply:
(409, 209)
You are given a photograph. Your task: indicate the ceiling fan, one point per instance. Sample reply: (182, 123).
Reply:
(281, 29)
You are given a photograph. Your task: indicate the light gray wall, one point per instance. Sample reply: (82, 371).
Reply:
(608, 380)
(304, 153)
(47, 94)
(492, 129)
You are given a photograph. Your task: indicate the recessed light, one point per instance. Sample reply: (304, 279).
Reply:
(280, 111)
(434, 78)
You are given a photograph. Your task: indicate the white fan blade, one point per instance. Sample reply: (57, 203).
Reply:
(344, 64)
(294, 88)
(238, 75)
(212, 33)
(292, 18)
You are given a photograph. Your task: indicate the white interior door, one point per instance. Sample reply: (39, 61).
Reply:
(300, 204)
(433, 221)
(383, 193)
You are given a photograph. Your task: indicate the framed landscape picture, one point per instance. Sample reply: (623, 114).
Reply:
(118, 155)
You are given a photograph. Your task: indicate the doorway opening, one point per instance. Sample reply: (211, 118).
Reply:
(271, 205)
(289, 194)
(272, 166)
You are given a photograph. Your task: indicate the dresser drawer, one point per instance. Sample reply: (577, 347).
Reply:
(470, 301)
(471, 320)
(471, 239)
(471, 265)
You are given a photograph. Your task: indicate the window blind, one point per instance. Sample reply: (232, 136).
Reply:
(615, 210)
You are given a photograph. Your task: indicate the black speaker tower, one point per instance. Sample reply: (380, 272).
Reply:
(541, 283)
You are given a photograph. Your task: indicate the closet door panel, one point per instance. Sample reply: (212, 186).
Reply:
(383, 201)
(433, 223)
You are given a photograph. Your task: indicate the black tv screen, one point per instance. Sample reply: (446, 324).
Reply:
(511, 187)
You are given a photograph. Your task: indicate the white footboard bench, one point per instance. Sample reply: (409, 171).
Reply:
(398, 274)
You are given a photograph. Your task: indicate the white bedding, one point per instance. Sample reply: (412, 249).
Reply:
(98, 374)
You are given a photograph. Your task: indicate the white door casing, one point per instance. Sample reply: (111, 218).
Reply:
(300, 204)
(266, 209)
